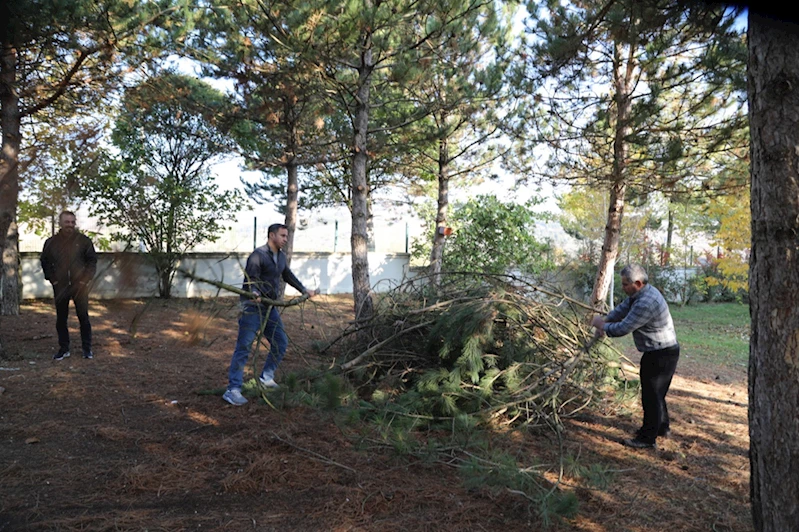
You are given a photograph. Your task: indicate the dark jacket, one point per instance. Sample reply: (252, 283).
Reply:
(69, 260)
(262, 274)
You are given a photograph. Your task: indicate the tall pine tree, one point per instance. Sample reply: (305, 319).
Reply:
(632, 94)
(774, 274)
(280, 119)
(55, 54)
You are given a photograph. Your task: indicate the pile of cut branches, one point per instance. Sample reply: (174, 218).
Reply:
(488, 344)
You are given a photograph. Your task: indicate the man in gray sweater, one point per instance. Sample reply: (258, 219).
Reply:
(645, 314)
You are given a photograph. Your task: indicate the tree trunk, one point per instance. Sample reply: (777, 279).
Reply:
(773, 84)
(622, 76)
(9, 182)
(164, 284)
(669, 234)
(361, 285)
(437, 253)
(292, 198)
(610, 246)
(168, 262)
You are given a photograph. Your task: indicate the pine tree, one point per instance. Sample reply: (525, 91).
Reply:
(462, 87)
(633, 95)
(774, 274)
(54, 54)
(280, 122)
(357, 48)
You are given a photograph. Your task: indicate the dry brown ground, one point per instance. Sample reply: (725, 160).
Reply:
(132, 441)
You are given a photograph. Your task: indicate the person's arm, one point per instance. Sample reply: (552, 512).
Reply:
(90, 260)
(619, 313)
(46, 259)
(252, 275)
(292, 280)
(638, 316)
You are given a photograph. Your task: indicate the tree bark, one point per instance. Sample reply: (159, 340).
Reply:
(437, 253)
(290, 221)
(773, 86)
(610, 245)
(622, 85)
(361, 285)
(290, 121)
(669, 233)
(292, 199)
(9, 181)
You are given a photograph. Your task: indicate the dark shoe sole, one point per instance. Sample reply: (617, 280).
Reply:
(664, 434)
(637, 444)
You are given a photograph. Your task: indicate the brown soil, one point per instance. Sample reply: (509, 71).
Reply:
(139, 438)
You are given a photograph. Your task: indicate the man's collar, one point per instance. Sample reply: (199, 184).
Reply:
(638, 293)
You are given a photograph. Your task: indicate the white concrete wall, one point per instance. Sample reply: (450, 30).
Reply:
(129, 275)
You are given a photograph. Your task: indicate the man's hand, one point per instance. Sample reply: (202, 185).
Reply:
(312, 293)
(599, 324)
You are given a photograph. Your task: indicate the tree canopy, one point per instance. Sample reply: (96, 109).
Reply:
(633, 96)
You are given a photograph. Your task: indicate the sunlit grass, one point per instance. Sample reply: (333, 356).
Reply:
(712, 333)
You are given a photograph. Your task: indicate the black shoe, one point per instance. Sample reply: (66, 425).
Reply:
(88, 354)
(61, 355)
(635, 443)
(662, 433)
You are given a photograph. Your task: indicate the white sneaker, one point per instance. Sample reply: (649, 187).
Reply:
(268, 382)
(234, 397)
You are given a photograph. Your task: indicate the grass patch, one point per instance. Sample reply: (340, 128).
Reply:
(716, 333)
(710, 333)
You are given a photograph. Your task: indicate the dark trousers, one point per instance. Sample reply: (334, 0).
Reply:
(657, 369)
(80, 295)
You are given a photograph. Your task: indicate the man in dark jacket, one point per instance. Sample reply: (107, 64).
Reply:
(69, 263)
(266, 266)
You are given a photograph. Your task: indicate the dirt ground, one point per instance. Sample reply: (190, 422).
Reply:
(140, 439)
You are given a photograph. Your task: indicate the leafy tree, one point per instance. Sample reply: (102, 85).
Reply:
(774, 274)
(733, 235)
(159, 190)
(583, 216)
(638, 96)
(60, 152)
(494, 237)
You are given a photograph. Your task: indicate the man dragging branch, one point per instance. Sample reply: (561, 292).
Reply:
(266, 266)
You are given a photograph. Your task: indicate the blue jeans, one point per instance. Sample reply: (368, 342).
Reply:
(250, 321)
